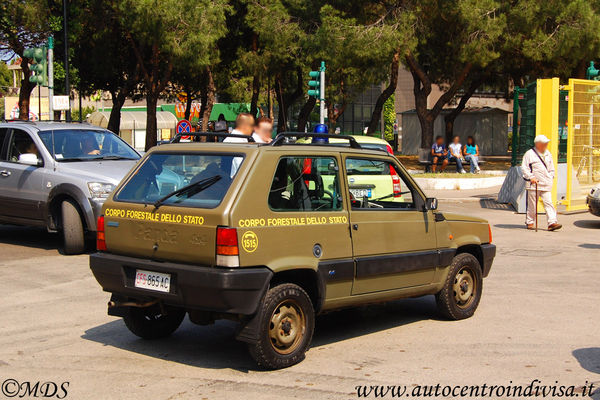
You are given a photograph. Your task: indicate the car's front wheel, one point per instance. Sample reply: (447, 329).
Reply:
(72, 228)
(153, 322)
(288, 321)
(462, 290)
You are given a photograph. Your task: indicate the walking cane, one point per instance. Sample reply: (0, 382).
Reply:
(536, 207)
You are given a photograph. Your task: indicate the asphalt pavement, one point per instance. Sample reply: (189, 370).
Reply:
(538, 319)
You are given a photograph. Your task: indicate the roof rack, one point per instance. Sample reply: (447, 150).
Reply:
(178, 136)
(280, 138)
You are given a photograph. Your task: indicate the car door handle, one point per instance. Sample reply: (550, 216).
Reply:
(355, 227)
(5, 173)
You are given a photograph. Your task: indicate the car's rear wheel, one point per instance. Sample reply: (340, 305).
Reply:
(153, 322)
(462, 290)
(72, 228)
(287, 326)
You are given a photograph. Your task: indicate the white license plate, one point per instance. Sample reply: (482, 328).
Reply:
(360, 193)
(152, 280)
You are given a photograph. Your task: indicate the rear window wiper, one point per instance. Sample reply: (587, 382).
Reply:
(189, 190)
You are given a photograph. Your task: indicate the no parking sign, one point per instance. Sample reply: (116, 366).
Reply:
(184, 126)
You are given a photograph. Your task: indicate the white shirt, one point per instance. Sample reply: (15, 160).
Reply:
(532, 167)
(455, 149)
(237, 161)
(230, 139)
(257, 138)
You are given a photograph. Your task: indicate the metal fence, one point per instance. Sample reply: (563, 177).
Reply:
(583, 147)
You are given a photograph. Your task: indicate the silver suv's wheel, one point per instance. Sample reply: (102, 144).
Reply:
(72, 228)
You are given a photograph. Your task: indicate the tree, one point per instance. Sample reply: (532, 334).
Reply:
(161, 33)
(453, 38)
(23, 24)
(102, 55)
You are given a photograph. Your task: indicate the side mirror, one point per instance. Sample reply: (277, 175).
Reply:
(431, 203)
(29, 159)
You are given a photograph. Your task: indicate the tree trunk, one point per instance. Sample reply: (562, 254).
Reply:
(210, 96)
(151, 125)
(305, 113)
(114, 121)
(255, 80)
(451, 117)
(25, 91)
(255, 93)
(281, 115)
(422, 89)
(385, 94)
(188, 104)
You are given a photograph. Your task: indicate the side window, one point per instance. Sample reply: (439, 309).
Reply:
(21, 143)
(377, 184)
(3, 135)
(306, 184)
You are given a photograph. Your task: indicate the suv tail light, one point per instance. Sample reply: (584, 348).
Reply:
(490, 232)
(227, 247)
(100, 238)
(389, 149)
(397, 188)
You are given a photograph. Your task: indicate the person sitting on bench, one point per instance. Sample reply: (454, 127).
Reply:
(471, 152)
(439, 153)
(455, 154)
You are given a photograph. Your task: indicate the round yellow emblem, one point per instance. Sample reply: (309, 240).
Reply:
(249, 241)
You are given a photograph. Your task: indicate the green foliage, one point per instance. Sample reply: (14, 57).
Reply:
(389, 117)
(86, 110)
(6, 80)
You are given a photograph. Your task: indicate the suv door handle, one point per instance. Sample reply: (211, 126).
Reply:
(5, 173)
(355, 227)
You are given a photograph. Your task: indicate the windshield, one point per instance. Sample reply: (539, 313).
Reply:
(163, 174)
(86, 145)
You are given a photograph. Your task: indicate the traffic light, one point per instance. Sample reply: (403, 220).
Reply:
(314, 84)
(38, 65)
(592, 72)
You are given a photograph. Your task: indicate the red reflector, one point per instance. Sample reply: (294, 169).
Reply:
(227, 242)
(100, 238)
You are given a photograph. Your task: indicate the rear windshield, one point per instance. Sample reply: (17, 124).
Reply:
(164, 173)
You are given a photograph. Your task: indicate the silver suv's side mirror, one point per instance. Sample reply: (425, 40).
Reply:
(29, 159)
(431, 203)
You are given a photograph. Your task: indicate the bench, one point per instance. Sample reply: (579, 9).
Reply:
(426, 161)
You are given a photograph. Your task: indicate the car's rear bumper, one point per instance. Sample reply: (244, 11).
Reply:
(223, 290)
(594, 205)
(489, 252)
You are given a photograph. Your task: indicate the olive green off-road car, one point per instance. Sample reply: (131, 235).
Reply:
(271, 235)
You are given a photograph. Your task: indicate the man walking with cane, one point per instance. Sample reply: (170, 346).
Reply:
(538, 171)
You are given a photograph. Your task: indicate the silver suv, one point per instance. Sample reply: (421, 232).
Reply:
(57, 175)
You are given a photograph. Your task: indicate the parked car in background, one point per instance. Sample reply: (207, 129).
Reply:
(593, 201)
(367, 179)
(58, 175)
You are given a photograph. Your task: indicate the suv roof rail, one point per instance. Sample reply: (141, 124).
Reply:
(178, 136)
(280, 138)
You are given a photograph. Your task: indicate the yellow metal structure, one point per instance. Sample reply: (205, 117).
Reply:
(583, 146)
(546, 119)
